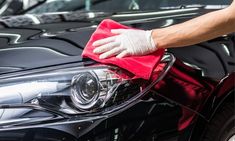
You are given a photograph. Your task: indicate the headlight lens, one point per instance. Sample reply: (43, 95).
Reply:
(85, 90)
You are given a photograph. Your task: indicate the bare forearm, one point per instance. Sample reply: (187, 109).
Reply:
(196, 30)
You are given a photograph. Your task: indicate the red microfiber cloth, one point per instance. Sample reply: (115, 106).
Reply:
(140, 66)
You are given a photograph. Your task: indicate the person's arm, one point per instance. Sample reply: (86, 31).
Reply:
(129, 42)
(197, 30)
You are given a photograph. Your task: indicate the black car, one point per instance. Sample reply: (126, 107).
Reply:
(50, 93)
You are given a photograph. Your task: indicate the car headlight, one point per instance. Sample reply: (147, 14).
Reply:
(71, 90)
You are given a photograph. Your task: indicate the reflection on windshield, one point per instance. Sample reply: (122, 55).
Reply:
(117, 5)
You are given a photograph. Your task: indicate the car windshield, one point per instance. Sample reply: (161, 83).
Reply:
(118, 5)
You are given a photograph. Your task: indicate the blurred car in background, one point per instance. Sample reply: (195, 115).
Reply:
(50, 93)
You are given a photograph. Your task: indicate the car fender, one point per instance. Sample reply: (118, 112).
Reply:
(224, 92)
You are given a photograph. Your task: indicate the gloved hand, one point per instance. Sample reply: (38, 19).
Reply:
(127, 42)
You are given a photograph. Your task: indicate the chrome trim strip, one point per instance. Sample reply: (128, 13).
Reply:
(155, 13)
(156, 18)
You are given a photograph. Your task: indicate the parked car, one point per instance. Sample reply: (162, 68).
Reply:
(50, 93)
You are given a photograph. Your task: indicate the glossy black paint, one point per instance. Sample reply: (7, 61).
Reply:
(59, 41)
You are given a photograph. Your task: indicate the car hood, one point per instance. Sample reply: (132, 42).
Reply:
(36, 41)
(32, 48)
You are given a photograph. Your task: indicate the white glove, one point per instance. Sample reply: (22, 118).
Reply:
(127, 42)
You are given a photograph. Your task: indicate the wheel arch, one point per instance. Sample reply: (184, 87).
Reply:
(224, 93)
